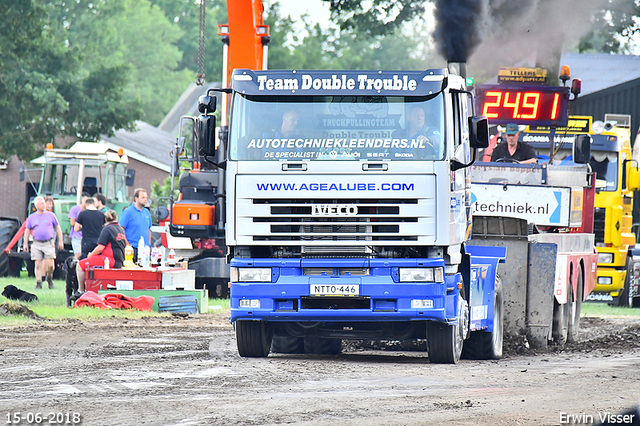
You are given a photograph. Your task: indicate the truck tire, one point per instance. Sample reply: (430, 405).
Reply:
(253, 339)
(488, 345)
(8, 229)
(562, 317)
(623, 298)
(576, 309)
(287, 344)
(322, 346)
(444, 341)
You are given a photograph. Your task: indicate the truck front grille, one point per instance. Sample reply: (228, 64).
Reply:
(598, 224)
(322, 220)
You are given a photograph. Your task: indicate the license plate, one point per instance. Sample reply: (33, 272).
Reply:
(335, 290)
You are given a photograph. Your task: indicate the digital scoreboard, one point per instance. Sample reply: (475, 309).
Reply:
(523, 104)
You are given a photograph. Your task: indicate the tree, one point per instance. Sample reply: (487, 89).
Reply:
(613, 28)
(129, 33)
(186, 15)
(45, 92)
(334, 48)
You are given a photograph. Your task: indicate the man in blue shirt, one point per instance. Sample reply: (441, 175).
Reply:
(136, 221)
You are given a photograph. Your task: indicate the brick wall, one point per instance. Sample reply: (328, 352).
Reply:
(145, 174)
(13, 193)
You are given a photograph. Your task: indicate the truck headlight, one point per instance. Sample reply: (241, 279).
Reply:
(256, 275)
(428, 275)
(605, 280)
(605, 257)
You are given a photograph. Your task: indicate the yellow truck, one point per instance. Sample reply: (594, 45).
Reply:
(617, 177)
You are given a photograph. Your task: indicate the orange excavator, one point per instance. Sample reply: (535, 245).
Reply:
(199, 212)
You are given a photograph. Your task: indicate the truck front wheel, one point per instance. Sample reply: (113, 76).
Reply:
(287, 344)
(445, 341)
(253, 338)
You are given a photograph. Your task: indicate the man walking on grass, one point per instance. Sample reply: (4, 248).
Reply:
(44, 226)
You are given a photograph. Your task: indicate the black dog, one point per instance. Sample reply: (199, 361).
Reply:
(72, 279)
(14, 293)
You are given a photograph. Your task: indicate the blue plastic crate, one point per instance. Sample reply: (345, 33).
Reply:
(187, 304)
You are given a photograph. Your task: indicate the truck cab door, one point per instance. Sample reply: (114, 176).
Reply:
(460, 208)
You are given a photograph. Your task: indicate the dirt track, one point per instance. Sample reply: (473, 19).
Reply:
(170, 371)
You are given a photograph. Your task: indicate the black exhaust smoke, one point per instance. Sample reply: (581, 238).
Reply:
(510, 31)
(458, 27)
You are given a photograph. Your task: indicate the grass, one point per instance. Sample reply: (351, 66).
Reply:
(51, 304)
(595, 309)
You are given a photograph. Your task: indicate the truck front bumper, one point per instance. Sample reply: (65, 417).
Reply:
(609, 280)
(377, 295)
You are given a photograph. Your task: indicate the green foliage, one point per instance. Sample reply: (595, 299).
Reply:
(186, 15)
(44, 90)
(160, 192)
(613, 27)
(134, 35)
(333, 48)
(380, 16)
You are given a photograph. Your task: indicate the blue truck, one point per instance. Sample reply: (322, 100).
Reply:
(344, 198)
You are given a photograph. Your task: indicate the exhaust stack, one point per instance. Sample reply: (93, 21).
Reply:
(457, 68)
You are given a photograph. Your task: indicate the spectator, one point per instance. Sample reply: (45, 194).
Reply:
(111, 244)
(101, 202)
(76, 236)
(48, 203)
(136, 221)
(90, 221)
(44, 227)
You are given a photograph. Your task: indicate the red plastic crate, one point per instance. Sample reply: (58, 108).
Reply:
(124, 279)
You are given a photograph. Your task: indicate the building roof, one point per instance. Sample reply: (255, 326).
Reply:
(148, 145)
(186, 105)
(599, 71)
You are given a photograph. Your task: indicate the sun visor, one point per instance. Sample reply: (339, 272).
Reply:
(314, 83)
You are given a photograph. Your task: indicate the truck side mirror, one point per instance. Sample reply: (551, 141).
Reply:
(21, 172)
(206, 135)
(131, 177)
(633, 176)
(161, 213)
(479, 132)
(206, 104)
(582, 149)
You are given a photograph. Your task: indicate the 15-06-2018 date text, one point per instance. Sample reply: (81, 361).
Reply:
(50, 418)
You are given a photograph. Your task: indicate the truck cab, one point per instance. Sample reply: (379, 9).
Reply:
(348, 212)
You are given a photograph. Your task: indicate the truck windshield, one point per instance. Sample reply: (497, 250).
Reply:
(350, 128)
(605, 165)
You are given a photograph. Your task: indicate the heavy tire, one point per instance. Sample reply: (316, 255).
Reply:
(322, 346)
(445, 341)
(488, 345)
(8, 229)
(562, 317)
(287, 344)
(623, 298)
(576, 309)
(253, 338)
